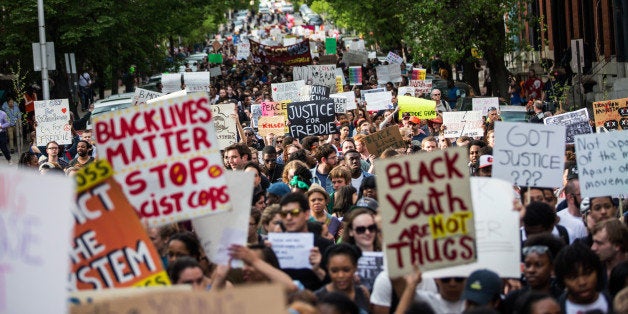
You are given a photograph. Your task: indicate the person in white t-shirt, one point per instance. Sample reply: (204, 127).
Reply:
(384, 287)
(570, 217)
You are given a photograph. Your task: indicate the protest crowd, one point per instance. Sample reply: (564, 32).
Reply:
(365, 187)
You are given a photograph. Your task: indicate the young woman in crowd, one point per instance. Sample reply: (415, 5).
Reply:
(186, 270)
(361, 230)
(318, 199)
(344, 198)
(271, 220)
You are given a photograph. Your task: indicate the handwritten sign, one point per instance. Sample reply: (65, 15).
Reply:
(275, 125)
(355, 75)
(196, 81)
(53, 117)
(379, 141)
(388, 73)
(529, 154)
(168, 156)
(430, 216)
(322, 74)
(110, 247)
(315, 117)
(378, 101)
(33, 254)
(421, 86)
(270, 109)
(142, 95)
(351, 105)
(243, 51)
(215, 72)
(496, 230)
(483, 103)
(418, 107)
(287, 91)
(369, 266)
(256, 113)
(394, 58)
(314, 92)
(406, 91)
(602, 167)
(292, 249)
(575, 122)
(611, 114)
(341, 103)
(354, 57)
(224, 124)
(171, 82)
(463, 123)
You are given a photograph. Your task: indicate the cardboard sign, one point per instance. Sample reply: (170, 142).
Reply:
(171, 82)
(168, 156)
(53, 117)
(323, 74)
(275, 125)
(316, 117)
(394, 58)
(369, 266)
(484, 103)
(225, 124)
(247, 299)
(142, 95)
(418, 74)
(602, 167)
(611, 114)
(350, 96)
(35, 232)
(314, 92)
(421, 86)
(218, 232)
(379, 141)
(378, 101)
(94, 296)
(270, 109)
(196, 81)
(575, 122)
(463, 123)
(330, 46)
(496, 230)
(355, 57)
(243, 51)
(292, 249)
(529, 154)
(341, 104)
(110, 248)
(328, 59)
(216, 45)
(297, 54)
(388, 73)
(418, 107)
(215, 72)
(256, 113)
(287, 91)
(429, 220)
(355, 75)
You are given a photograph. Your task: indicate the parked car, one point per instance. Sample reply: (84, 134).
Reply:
(313, 19)
(514, 113)
(111, 103)
(287, 8)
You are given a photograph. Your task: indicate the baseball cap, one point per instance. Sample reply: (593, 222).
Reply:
(482, 286)
(415, 120)
(438, 120)
(366, 202)
(278, 188)
(572, 173)
(486, 160)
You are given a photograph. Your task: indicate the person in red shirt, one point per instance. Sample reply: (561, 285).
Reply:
(533, 86)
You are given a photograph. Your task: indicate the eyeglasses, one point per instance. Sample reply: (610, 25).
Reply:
(449, 279)
(53, 148)
(362, 229)
(538, 249)
(295, 182)
(293, 212)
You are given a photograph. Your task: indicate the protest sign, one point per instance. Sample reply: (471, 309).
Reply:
(602, 167)
(243, 51)
(225, 124)
(378, 101)
(110, 246)
(328, 59)
(142, 95)
(215, 58)
(351, 105)
(355, 75)
(354, 57)
(316, 117)
(379, 141)
(372, 90)
(270, 109)
(421, 86)
(529, 154)
(575, 122)
(53, 117)
(275, 125)
(463, 123)
(248, 299)
(484, 103)
(216, 45)
(217, 232)
(314, 92)
(356, 45)
(196, 81)
(297, 54)
(330, 46)
(167, 154)
(287, 91)
(341, 104)
(611, 114)
(341, 74)
(496, 229)
(215, 72)
(324, 75)
(418, 107)
(372, 55)
(292, 249)
(80, 297)
(369, 266)
(339, 85)
(404, 90)
(418, 74)
(388, 73)
(171, 82)
(288, 41)
(394, 58)
(256, 113)
(35, 228)
(430, 216)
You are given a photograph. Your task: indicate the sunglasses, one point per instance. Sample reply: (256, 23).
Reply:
(362, 229)
(295, 182)
(337, 139)
(293, 212)
(449, 279)
(538, 249)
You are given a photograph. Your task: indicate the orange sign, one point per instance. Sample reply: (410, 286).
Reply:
(611, 114)
(110, 248)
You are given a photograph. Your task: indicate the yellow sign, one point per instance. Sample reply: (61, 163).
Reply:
(418, 107)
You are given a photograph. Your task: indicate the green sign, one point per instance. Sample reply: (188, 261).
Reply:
(215, 58)
(330, 46)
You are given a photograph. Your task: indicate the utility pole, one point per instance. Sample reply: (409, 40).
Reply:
(42, 44)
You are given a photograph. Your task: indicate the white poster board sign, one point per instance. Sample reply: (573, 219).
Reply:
(463, 123)
(388, 73)
(243, 51)
(483, 103)
(225, 124)
(528, 154)
(196, 81)
(215, 72)
(378, 101)
(256, 112)
(324, 75)
(350, 96)
(34, 261)
(496, 230)
(53, 122)
(287, 91)
(292, 249)
(394, 58)
(171, 82)
(142, 95)
(341, 103)
(575, 122)
(602, 168)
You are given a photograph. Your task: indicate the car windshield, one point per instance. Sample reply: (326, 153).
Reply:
(112, 107)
